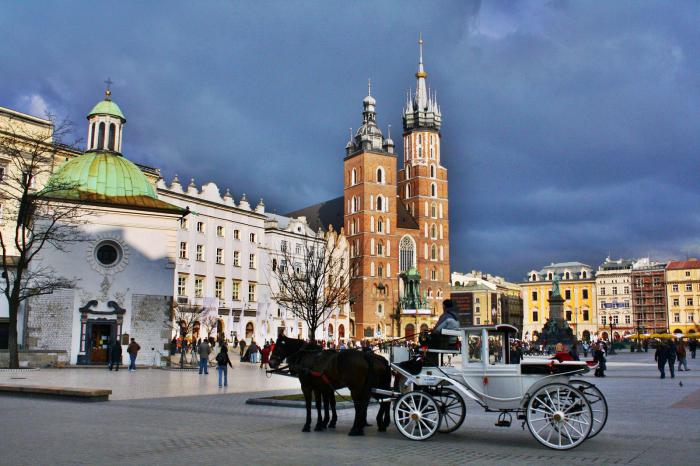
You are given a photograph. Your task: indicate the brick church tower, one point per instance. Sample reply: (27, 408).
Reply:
(396, 221)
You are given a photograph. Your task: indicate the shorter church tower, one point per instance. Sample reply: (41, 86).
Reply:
(370, 205)
(105, 122)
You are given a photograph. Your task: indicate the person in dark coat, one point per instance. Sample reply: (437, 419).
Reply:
(672, 356)
(115, 354)
(599, 357)
(242, 345)
(133, 350)
(661, 358)
(222, 364)
(693, 347)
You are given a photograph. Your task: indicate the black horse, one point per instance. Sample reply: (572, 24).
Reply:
(327, 371)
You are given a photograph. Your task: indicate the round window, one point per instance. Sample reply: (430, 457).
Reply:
(108, 253)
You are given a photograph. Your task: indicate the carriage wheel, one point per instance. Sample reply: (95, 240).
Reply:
(416, 415)
(559, 416)
(452, 409)
(599, 405)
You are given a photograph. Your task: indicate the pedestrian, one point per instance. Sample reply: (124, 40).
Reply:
(204, 350)
(693, 347)
(133, 350)
(222, 364)
(681, 353)
(253, 352)
(671, 356)
(585, 347)
(265, 357)
(115, 354)
(646, 345)
(599, 357)
(661, 358)
(242, 345)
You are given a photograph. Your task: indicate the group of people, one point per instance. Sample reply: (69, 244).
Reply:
(255, 354)
(114, 355)
(223, 362)
(668, 351)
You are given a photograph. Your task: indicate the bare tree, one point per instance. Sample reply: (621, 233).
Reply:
(185, 321)
(313, 283)
(32, 216)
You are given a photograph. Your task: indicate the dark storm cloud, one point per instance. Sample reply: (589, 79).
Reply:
(571, 129)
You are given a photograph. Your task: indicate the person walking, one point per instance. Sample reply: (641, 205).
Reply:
(693, 347)
(672, 356)
(242, 345)
(115, 354)
(599, 357)
(265, 357)
(681, 354)
(253, 351)
(222, 364)
(661, 358)
(585, 347)
(133, 350)
(204, 350)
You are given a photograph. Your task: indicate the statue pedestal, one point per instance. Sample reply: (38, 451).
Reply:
(556, 329)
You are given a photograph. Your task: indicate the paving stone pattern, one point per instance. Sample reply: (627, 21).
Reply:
(644, 428)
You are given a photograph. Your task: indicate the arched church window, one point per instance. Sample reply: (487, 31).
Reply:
(353, 177)
(420, 152)
(380, 203)
(92, 136)
(433, 190)
(380, 248)
(433, 210)
(380, 175)
(419, 139)
(101, 136)
(408, 191)
(430, 292)
(407, 253)
(380, 271)
(432, 170)
(433, 231)
(432, 155)
(433, 274)
(112, 135)
(433, 252)
(380, 226)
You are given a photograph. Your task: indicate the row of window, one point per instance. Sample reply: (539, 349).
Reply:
(219, 284)
(688, 287)
(380, 176)
(200, 255)
(615, 319)
(626, 290)
(689, 317)
(567, 294)
(567, 276)
(418, 143)
(677, 302)
(220, 231)
(568, 315)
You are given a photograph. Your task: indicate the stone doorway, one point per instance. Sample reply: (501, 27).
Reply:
(100, 335)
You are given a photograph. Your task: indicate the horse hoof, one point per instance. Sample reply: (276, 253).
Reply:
(319, 429)
(331, 425)
(381, 429)
(356, 433)
(306, 429)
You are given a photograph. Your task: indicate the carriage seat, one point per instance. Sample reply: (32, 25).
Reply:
(413, 366)
(549, 367)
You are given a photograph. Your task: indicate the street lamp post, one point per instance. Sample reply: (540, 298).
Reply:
(612, 338)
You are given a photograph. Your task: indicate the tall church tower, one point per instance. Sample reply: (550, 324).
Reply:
(422, 187)
(370, 205)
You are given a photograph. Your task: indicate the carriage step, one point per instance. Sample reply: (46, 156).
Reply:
(503, 423)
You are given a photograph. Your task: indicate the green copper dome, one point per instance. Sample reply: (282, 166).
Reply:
(107, 107)
(101, 174)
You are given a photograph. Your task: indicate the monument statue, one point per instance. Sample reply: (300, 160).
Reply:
(556, 329)
(411, 298)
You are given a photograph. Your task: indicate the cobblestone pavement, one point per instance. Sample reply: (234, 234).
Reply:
(644, 428)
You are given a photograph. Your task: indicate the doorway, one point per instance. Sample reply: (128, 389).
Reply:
(100, 335)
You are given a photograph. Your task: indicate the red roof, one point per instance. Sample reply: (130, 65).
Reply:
(678, 265)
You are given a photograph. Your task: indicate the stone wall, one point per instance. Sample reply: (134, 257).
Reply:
(36, 358)
(50, 321)
(148, 325)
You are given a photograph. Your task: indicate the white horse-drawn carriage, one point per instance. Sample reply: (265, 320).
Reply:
(560, 412)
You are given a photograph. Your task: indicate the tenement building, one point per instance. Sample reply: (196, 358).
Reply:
(683, 295)
(649, 296)
(614, 291)
(577, 285)
(486, 299)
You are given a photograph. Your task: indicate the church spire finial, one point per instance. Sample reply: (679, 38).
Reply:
(108, 92)
(369, 86)
(420, 49)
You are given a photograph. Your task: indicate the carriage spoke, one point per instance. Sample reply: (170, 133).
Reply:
(568, 434)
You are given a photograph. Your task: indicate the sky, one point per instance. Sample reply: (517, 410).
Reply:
(571, 129)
